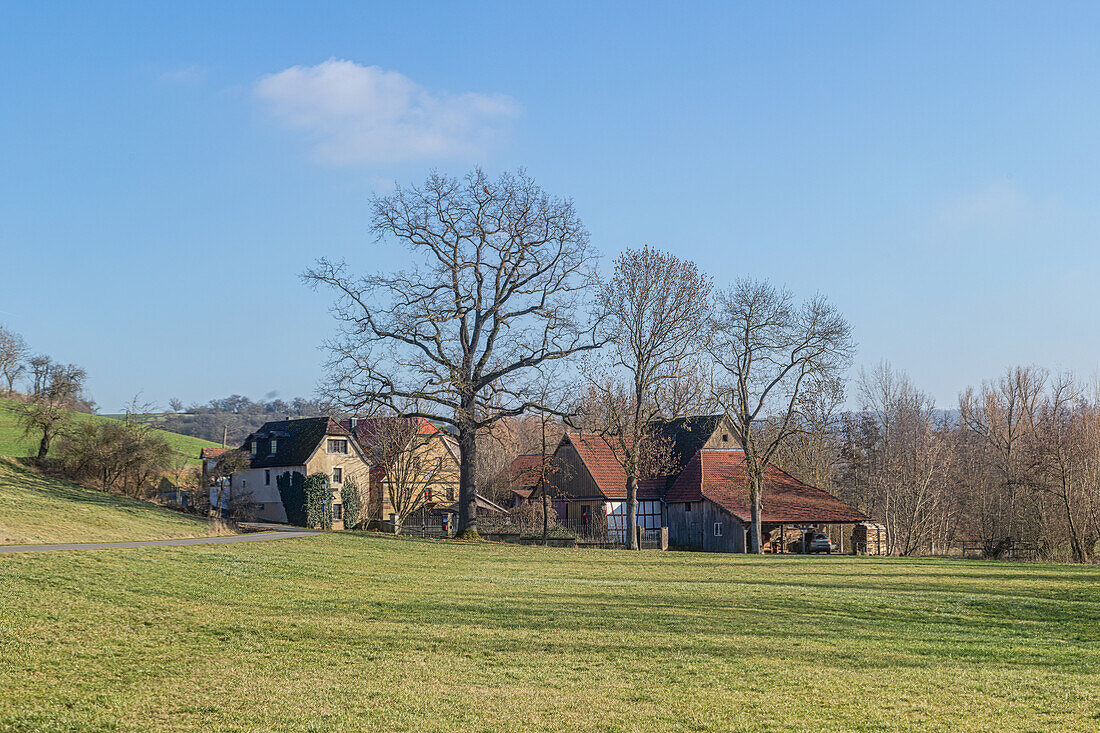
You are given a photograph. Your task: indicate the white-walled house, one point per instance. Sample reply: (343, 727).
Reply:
(306, 446)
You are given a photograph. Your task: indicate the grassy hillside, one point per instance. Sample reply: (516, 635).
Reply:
(340, 632)
(38, 509)
(13, 443)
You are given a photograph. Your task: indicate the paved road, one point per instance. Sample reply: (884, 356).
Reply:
(279, 534)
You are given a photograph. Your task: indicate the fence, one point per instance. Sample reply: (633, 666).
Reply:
(425, 530)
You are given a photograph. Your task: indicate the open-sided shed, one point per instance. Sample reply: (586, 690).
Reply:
(707, 506)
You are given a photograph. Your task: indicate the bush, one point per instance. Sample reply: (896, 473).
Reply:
(317, 501)
(526, 519)
(115, 455)
(352, 501)
(292, 491)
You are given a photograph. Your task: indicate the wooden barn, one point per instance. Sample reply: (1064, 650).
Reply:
(707, 507)
(703, 499)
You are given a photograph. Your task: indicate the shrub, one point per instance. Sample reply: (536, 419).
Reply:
(317, 501)
(352, 501)
(293, 494)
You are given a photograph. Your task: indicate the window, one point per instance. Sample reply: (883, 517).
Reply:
(717, 529)
(253, 447)
(336, 445)
(338, 475)
(274, 446)
(337, 512)
(267, 477)
(687, 506)
(725, 438)
(450, 493)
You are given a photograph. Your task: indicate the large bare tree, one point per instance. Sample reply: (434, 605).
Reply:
(495, 290)
(770, 353)
(13, 356)
(657, 306)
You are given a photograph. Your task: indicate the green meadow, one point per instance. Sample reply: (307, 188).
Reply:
(354, 632)
(41, 509)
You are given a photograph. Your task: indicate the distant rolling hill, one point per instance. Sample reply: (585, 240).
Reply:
(13, 443)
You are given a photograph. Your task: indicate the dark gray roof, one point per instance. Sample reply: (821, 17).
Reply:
(296, 440)
(686, 436)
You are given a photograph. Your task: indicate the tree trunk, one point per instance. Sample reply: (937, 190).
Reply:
(43, 446)
(632, 512)
(545, 516)
(1079, 554)
(755, 532)
(467, 489)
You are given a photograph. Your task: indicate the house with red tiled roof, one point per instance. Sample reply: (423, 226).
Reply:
(425, 445)
(588, 483)
(522, 475)
(702, 499)
(707, 507)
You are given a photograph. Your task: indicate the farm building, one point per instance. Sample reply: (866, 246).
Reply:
(707, 507)
(703, 498)
(522, 476)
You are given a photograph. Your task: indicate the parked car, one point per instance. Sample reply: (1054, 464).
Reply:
(815, 542)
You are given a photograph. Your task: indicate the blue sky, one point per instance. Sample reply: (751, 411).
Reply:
(166, 173)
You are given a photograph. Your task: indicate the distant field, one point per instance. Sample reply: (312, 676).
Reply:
(343, 632)
(13, 443)
(39, 509)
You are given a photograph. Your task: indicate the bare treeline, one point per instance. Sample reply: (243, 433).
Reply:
(1013, 471)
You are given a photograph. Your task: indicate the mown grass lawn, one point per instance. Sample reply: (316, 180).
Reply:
(14, 443)
(345, 632)
(40, 509)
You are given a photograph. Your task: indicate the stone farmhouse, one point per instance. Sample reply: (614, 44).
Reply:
(342, 450)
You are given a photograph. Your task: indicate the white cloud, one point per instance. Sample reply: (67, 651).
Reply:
(366, 115)
(187, 75)
(998, 204)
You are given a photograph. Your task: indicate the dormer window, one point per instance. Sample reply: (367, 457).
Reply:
(254, 443)
(274, 446)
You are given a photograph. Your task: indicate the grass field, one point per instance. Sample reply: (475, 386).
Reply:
(38, 509)
(13, 443)
(346, 632)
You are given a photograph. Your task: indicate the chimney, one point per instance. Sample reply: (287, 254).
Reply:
(353, 422)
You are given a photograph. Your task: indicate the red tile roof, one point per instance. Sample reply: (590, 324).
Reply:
(368, 431)
(601, 461)
(212, 452)
(524, 472)
(719, 475)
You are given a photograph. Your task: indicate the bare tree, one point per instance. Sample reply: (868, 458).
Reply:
(657, 306)
(812, 450)
(405, 466)
(770, 354)
(13, 357)
(49, 409)
(1061, 453)
(496, 291)
(1002, 415)
(909, 460)
(221, 480)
